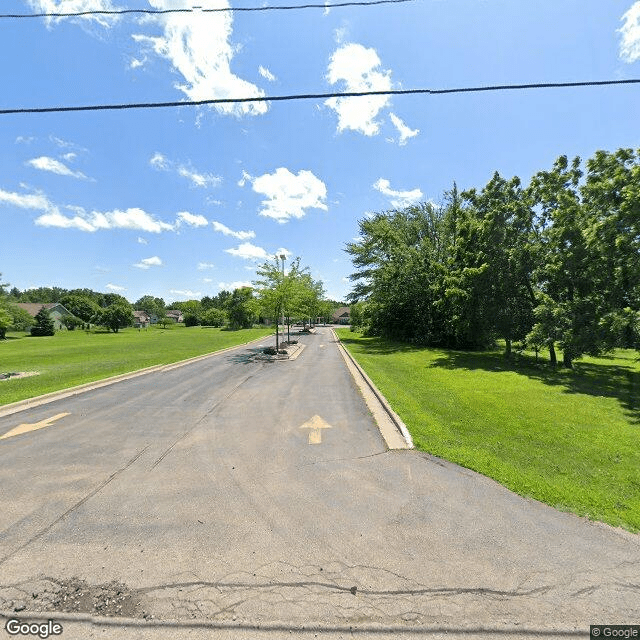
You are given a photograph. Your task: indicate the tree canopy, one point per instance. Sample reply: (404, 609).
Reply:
(552, 264)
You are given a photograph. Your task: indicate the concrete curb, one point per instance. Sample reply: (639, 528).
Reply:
(366, 384)
(29, 403)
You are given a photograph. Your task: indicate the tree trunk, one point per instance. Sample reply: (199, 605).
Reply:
(507, 348)
(566, 359)
(552, 354)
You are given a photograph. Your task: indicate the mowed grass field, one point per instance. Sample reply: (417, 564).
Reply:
(568, 438)
(70, 358)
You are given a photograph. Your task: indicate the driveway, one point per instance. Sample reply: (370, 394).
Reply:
(240, 498)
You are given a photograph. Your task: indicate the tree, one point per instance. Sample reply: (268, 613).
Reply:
(116, 316)
(504, 245)
(151, 306)
(570, 302)
(242, 308)
(81, 306)
(44, 325)
(21, 320)
(611, 203)
(214, 317)
(272, 288)
(5, 322)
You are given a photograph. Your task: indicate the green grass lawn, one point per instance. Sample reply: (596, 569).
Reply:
(74, 357)
(568, 438)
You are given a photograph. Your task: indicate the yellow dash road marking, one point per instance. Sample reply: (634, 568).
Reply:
(315, 425)
(25, 428)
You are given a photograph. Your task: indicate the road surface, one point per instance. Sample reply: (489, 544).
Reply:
(235, 493)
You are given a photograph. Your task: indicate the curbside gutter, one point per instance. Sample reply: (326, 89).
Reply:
(401, 438)
(29, 403)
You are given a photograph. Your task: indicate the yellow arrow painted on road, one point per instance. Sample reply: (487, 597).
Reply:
(25, 428)
(315, 424)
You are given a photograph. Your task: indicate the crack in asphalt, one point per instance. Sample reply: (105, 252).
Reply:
(202, 418)
(75, 506)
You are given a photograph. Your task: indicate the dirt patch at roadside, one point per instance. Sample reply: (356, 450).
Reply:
(73, 595)
(18, 374)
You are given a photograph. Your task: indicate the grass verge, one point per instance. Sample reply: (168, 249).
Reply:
(71, 358)
(569, 438)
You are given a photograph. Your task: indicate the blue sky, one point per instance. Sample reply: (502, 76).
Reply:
(182, 202)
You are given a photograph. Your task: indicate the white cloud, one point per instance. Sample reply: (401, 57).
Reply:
(191, 219)
(135, 63)
(630, 44)
(359, 69)
(232, 286)
(75, 6)
(159, 161)
(285, 252)
(36, 201)
(25, 139)
(115, 287)
(266, 74)
(44, 163)
(289, 195)
(70, 157)
(248, 251)
(403, 129)
(147, 263)
(186, 293)
(399, 199)
(200, 51)
(205, 265)
(246, 177)
(133, 218)
(199, 179)
(162, 163)
(142, 240)
(240, 235)
(57, 219)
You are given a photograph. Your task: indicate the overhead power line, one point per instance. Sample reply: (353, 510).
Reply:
(196, 9)
(317, 96)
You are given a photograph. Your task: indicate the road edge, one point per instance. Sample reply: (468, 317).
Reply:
(392, 428)
(29, 403)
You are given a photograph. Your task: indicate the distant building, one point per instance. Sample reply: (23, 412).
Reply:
(342, 315)
(141, 319)
(175, 315)
(57, 312)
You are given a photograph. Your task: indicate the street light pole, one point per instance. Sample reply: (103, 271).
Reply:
(283, 257)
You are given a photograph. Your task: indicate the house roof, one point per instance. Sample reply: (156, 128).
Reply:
(173, 312)
(341, 312)
(32, 308)
(142, 315)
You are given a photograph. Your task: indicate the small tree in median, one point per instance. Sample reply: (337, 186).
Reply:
(44, 324)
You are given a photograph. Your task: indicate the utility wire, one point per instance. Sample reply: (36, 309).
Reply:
(318, 96)
(116, 12)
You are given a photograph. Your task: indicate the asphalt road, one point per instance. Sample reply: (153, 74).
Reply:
(209, 497)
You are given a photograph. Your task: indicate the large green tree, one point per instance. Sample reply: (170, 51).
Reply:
(570, 303)
(242, 308)
(116, 316)
(81, 306)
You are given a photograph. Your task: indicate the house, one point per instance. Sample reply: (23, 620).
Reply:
(57, 312)
(141, 319)
(175, 315)
(342, 315)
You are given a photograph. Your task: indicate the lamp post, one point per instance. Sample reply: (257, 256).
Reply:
(283, 257)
